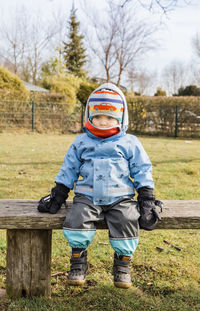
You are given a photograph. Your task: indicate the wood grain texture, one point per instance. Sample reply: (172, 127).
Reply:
(23, 214)
(28, 263)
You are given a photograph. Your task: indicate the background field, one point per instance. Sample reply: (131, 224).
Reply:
(167, 280)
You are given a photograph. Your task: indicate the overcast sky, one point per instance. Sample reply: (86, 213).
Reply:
(181, 25)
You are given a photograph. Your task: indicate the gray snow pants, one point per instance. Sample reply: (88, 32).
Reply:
(121, 218)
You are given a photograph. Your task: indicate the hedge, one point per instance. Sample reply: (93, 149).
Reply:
(164, 115)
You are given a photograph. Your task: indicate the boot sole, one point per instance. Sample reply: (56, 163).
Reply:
(76, 282)
(122, 285)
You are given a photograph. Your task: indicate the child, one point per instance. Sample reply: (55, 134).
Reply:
(112, 164)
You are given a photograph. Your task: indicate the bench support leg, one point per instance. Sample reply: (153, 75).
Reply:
(28, 263)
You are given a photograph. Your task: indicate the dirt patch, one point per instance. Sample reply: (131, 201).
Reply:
(4, 302)
(2, 293)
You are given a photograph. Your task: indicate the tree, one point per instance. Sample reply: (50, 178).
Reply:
(174, 76)
(119, 39)
(196, 44)
(13, 40)
(195, 65)
(54, 66)
(163, 6)
(73, 51)
(195, 73)
(190, 90)
(140, 80)
(160, 92)
(26, 39)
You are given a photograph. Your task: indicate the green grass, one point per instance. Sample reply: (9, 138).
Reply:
(30, 162)
(162, 280)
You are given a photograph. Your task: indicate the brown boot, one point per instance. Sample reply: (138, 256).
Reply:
(78, 268)
(121, 269)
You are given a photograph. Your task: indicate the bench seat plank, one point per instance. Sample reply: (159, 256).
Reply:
(23, 214)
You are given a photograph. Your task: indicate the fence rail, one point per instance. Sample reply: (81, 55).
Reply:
(151, 119)
(38, 116)
(164, 119)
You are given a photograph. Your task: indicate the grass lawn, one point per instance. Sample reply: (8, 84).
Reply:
(162, 281)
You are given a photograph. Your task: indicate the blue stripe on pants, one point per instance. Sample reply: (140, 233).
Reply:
(79, 238)
(124, 247)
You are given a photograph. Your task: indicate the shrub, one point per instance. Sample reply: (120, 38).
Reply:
(190, 90)
(85, 89)
(160, 92)
(66, 84)
(9, 81)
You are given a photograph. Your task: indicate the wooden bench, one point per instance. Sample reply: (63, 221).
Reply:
(29, 240)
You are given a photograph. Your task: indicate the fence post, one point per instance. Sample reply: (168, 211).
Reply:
(176, 122)
(33, 115)
(82, 111)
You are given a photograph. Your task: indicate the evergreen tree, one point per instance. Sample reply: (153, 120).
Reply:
(190, 90)
(73, 51)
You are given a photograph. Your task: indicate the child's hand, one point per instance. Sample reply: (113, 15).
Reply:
(53, 202)
(148, 213)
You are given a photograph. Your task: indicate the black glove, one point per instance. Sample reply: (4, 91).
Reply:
(53, 202)
(148, 213)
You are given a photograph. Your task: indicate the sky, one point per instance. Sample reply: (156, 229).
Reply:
(175, 39)
(181, 26)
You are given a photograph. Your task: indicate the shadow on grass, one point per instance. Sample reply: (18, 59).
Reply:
(188, 160)
(31, 163)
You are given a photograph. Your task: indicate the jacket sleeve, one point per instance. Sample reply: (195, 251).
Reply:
(140, 167)
(69, 171)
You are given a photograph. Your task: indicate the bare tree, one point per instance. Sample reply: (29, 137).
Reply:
(12, 41)
(194, 70)
(141, 80)
(163, 6)
(196, 44)
(120, 40)
(174, 76)
(100, 39)
(26, 40)
(196, 75)
(195, 65)
(135, 39)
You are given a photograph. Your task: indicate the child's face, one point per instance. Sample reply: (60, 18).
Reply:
(102, 121)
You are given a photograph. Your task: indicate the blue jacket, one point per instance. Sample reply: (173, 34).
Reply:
(105, 170)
